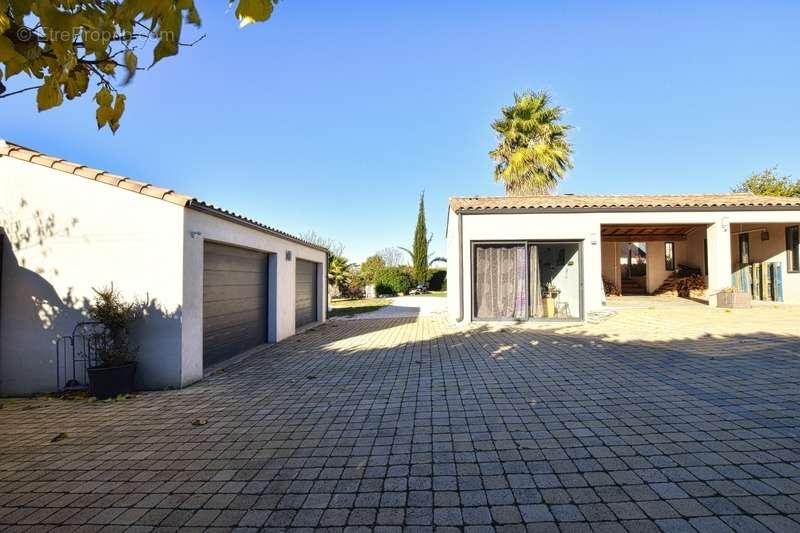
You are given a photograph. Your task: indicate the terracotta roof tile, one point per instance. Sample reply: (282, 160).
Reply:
(24, 154)
(129, 184)
(65, 166)
(177, 199)
(44, 160)
(587, 202)
(155, 192)
(87, 172)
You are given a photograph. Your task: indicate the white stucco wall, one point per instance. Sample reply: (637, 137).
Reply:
(771, 250)
(95, 234)
(282, 307)
(656, 265)
(509, 227)
(102, 235)
(585, 227)
(610, 261)
(690, 252)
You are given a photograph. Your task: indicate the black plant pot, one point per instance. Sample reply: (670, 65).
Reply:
(108, 382)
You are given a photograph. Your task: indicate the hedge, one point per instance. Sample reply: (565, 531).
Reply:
(437, 279)
(393, 280)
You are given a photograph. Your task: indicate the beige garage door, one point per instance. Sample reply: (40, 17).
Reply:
(234, 301)
(305, 293)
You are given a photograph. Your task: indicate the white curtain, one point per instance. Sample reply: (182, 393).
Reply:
(500, 282)
(536, 283)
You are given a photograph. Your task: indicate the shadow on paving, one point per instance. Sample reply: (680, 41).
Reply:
(416, 424)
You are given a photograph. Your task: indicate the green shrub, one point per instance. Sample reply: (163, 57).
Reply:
(115, 314)
(393, 280)
(437, 279)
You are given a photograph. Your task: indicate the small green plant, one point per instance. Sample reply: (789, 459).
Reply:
(551, 290)
(115, 314)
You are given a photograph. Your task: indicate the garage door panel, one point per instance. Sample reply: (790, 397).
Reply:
(225, 293)
(222, 278)
(225, 320)
(232, 309)
(234, 301)
(230, 259)
(306, 292)
(248, 332)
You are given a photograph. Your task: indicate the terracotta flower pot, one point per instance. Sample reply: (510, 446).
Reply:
(734, 300)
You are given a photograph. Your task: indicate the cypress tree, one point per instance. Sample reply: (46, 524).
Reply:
(420, 254)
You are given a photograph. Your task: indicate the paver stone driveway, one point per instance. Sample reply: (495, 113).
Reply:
(411, 424)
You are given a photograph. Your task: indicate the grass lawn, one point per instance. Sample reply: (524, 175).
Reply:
(355, 307)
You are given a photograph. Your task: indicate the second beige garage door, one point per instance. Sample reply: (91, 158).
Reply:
(305, 310)
(234, 301)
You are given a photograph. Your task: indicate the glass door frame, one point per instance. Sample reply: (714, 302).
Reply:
(527, 243)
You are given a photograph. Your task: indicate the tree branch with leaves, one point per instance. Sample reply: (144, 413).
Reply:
(64, 46)
(770, 183)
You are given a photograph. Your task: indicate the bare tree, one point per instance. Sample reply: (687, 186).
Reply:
(333, 246)
(392, 256)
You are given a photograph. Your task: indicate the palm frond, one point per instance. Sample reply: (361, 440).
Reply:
(533, 153)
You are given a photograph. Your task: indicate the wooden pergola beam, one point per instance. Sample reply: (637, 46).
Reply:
(643, 237)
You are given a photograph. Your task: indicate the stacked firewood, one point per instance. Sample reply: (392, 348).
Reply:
(611, 288)
(693, 286)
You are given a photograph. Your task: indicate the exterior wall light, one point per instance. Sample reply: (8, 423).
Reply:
(195, 234)
(288, 255)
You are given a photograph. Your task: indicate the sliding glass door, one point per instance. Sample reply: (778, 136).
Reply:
(500, 281)
(531, 280)
(555, 284)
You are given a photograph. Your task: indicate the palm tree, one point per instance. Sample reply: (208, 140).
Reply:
(533, 153)
(338, 271)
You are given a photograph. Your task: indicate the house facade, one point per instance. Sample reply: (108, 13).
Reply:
(554, 257)
(214, 284)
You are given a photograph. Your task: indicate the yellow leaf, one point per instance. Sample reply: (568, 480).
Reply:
(169, 31)
(8, 52)
(249, 11)
(60, 436)
(119, 106)
(5, 20)
(164, 49)
(104, 114)
(77, 83)
(104, 97)
(49, 95)
(107, 67)
(131, 61)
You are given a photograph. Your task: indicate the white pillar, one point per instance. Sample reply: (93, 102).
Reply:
(719, 257)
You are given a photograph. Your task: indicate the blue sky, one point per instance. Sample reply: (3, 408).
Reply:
(333, 116)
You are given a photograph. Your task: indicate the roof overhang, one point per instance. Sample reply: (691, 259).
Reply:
(242, 221)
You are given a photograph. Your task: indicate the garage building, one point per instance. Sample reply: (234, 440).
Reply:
(216, 284)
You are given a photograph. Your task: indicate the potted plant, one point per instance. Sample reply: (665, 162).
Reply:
(729, 298)
(115, 363)
(549, 295)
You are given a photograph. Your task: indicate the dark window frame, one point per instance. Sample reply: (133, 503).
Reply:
(527, 243)
(669, 259)
(793, 249)
(744, 248)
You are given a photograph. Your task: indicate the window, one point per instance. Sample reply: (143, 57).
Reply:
(793, 248)
(669, 256)
(744, 248)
